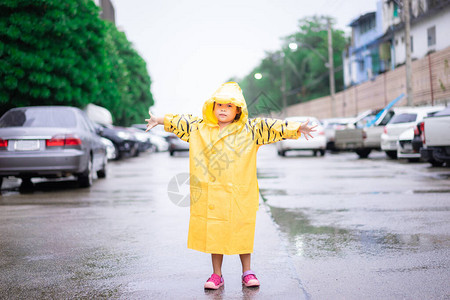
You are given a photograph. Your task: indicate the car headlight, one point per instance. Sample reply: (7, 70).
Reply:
(123, 135)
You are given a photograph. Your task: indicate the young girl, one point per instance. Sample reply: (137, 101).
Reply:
(222, 160)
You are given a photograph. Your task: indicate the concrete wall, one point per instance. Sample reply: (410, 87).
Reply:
(431, 85)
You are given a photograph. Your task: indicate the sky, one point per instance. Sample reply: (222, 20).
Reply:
(193, 46)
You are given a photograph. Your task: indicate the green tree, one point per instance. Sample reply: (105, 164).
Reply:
(305, 69)
(130, 77)
(61, 53)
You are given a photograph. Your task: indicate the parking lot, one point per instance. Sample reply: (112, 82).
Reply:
(328, 227)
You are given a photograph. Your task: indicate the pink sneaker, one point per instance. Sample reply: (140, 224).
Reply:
(214, 282)
(249, 279)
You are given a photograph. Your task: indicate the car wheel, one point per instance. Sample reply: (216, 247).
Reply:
(86, 178)
(315, 152)
(391, 154)
(1, 182)
(172, 152)
(26, 185)
(102, 172)
(363, 153)
(413, 160)
(322, 152)
(117, 152)
(436, 163)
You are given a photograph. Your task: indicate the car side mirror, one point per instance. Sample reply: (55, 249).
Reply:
(99, 130)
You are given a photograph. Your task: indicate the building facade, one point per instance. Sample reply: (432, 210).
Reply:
(107, 10)
(378, 39)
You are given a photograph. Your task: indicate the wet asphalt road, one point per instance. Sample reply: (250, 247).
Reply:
(332, 227)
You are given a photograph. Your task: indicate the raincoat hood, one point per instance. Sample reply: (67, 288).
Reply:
(229, 92)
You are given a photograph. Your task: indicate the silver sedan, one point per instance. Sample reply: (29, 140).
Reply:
(50, 141)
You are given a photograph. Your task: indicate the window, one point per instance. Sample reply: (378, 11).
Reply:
(367, 25)
(412, 48)
(431, 33)
(404, 118)
(39, 117)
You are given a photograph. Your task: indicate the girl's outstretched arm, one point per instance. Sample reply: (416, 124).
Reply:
(153, 121)
(306, 130)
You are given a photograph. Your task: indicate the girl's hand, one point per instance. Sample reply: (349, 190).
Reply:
(152, 122)
(306, 130)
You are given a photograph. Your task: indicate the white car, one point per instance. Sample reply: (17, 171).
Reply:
(404, 146)
(317, 144)
(405, 118)
(110, 149)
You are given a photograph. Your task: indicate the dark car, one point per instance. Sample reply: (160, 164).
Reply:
(176, 144)
(143, 139)
(125, 143)
(50, 141)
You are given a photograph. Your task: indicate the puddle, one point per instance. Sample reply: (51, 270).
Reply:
(311, 241)
(431, 191)
(361, 176)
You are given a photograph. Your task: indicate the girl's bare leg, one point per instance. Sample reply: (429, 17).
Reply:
(217, 263)
(245, 260)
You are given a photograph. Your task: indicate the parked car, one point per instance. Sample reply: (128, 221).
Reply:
(436, 138)
(50, 141)
(157, 138)
(408, 118)
(110, 150)
(331, 126)
(177, 145)
(409, 142)
(143, 138)
(125, 143)
(318, 144)
(365, 133)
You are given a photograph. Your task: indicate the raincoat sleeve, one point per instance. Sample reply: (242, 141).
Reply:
(267, 131)
(181, 125)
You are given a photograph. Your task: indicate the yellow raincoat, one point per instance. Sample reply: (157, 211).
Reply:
(224, 188)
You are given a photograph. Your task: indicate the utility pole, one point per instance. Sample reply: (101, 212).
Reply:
(283, 85)
(331, 69)
(409, 93)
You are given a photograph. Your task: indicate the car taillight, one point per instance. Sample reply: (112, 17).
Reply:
(59, 141)
(321, 133)
(72, 141)
(3, 143)
(385, 130)
(422, 129)
(54, 142)
(364, 135)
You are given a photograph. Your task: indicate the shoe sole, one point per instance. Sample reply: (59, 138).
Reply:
(212, 286)
(251, 283)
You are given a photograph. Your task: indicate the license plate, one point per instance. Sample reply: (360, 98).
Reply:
(27, 145)
(351, 145)
(407, 146)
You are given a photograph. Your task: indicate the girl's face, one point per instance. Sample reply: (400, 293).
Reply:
(225, 113)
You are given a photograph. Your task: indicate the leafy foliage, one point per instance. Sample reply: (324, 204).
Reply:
(306, 71)
(61, 53)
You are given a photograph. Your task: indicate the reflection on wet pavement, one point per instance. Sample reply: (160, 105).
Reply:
(361, 229)
(311, 241)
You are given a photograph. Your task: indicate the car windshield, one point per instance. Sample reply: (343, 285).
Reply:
(38, 117)
(403, 118)
(444, 112)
